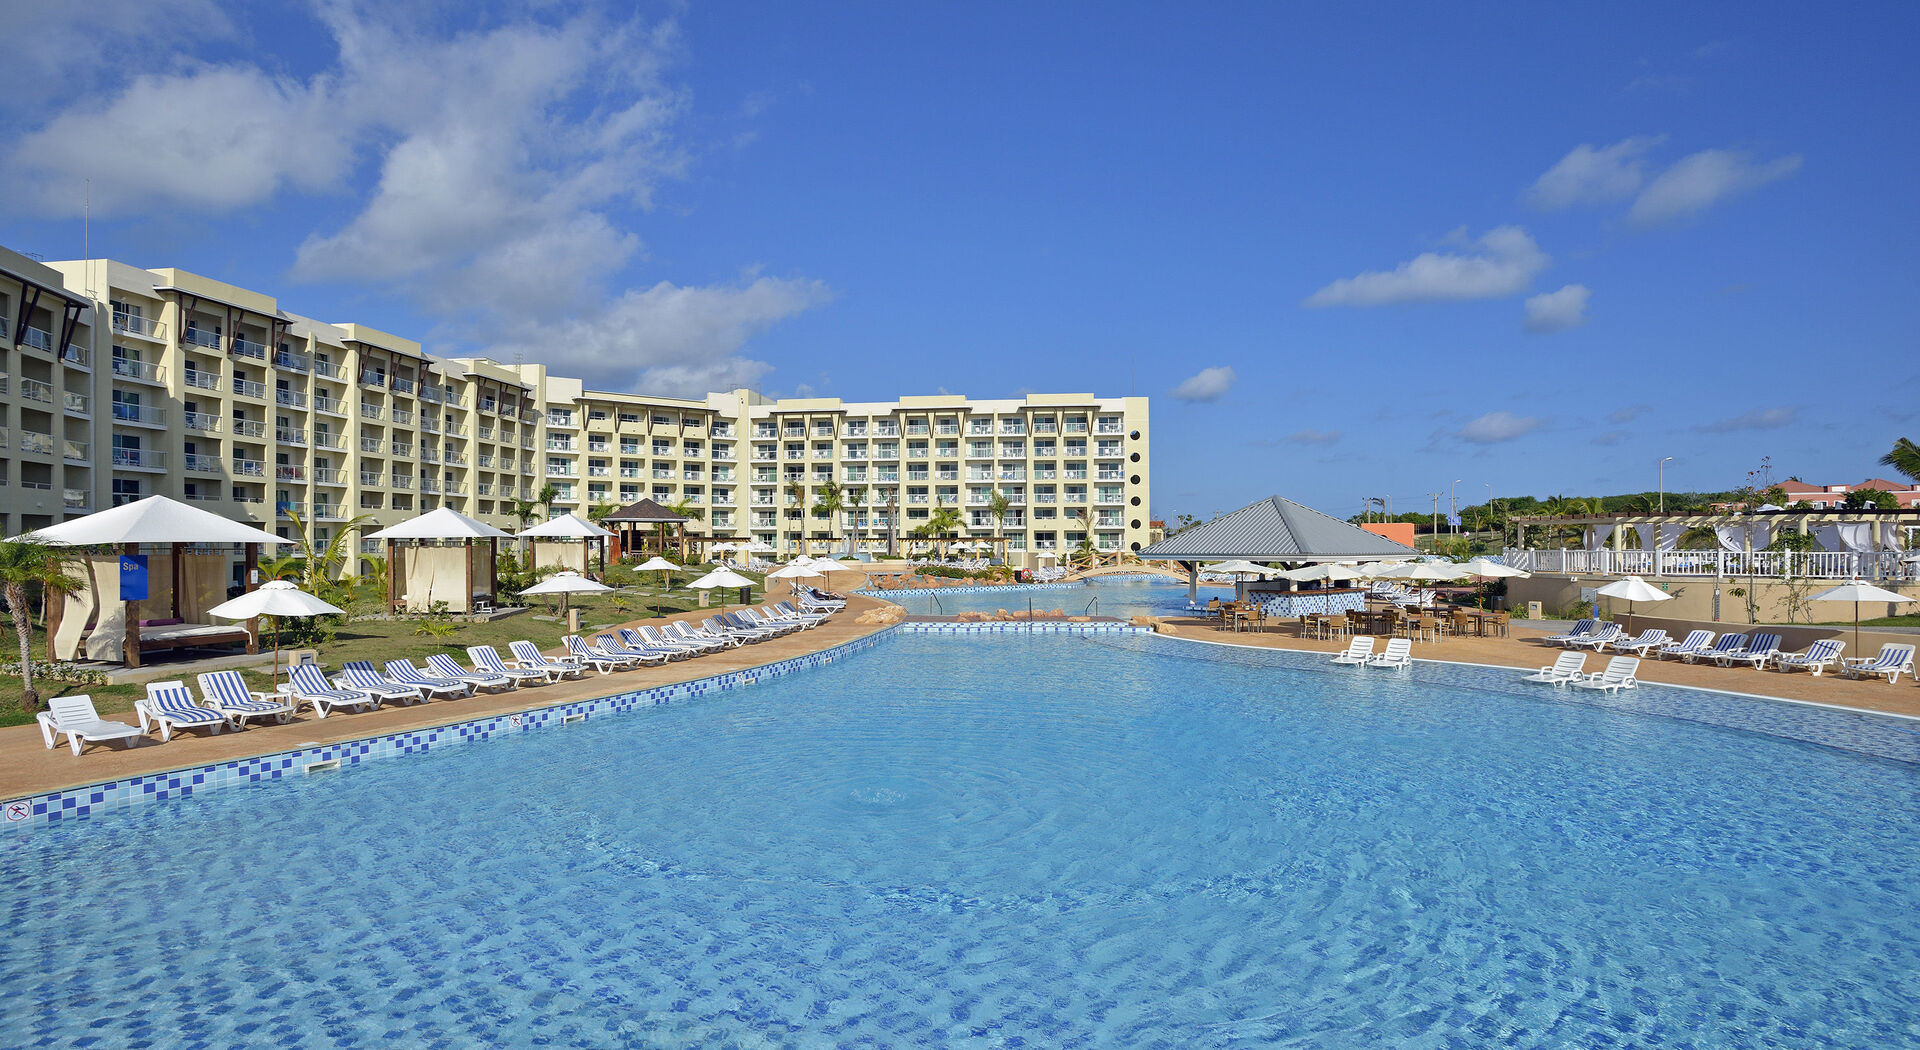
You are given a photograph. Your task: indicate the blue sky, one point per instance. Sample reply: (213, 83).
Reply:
(1349, 251)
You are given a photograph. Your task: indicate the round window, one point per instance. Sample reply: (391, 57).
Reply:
(1134, 480)
(1136, 502)
(1135, 435)
(1136, 523)
(1135, 457)
(1136, 546)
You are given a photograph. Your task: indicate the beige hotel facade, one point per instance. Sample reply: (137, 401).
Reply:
(118, 383)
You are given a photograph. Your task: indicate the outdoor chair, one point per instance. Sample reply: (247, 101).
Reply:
(1398, 654)
(172, 706)
(598, 659)
(1759, 649)
(75, 717)
(1598, 640)
(359, 674)
(1726, 643)
(1695, 643)
(403, 672)
(1580, 629)
(1894, 658)
(681, 633)
(611, 644)
(1566, 667)
(445, 667)
(308, 684)
(1652, 638)
(1619, 674)
(488, 660)
(227, 693)
(1815, 658)
(1358, 651)
(654, 640)
(529, 656)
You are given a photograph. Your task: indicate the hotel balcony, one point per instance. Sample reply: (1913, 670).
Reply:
(201, 379)
(249, 468)
(201, 339)
(139, 459)
(249, 388)
(138, 371)
(140, 327)
(200, 464)
(244, 347)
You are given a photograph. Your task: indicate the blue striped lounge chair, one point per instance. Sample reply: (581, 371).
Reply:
(403, 672)
(444, 667)
(1694, 643)
(754, 618)
(76, 717)
(1599, 639)
(172, 706)
(652, 639)
(1815, 658)
(227, 692)
(1759, 649)
(598, 659)
(307, 683)
(736, 622)
(529, 656)
(1566, 667)
(612, 644)
(788, 609)
(1580, 629)
(1726, 643)
(359, 674)
(1894, 658)
(1619, 674)
(487, 660)
(681, 632)
(1650, 639)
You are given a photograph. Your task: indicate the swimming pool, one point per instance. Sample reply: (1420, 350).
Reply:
(1013, 840)
(1124, 597)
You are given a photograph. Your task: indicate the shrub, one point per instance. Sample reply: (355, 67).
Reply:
(60, 671)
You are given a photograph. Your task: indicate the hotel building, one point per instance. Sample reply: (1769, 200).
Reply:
(118, 383)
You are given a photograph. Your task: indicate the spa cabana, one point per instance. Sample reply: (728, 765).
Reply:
(634, 518)
(145, 600)
(439, 557)
(566, 543)
(1278, 530)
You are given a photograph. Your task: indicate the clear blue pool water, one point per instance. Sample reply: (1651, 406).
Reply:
(1037, 841)
(1122, 597)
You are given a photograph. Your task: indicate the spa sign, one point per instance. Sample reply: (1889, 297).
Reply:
(133, 577)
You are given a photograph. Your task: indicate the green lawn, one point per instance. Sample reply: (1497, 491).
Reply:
(1910, 620)
(383, 640)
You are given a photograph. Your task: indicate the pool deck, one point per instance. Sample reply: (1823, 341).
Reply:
(1523, 650)
(27, 767)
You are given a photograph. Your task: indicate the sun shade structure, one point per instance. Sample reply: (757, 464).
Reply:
(427, 570)
(723, 578)
(1857, 591)
(566, 530)
(1272, 529)
(565, 583)
(275, 598)
(665, 568)
(629, 521)
(100, 624)
(1633, 589)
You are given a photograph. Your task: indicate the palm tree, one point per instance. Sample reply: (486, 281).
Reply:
(797, 495)
(942, 521)
(997, 505)
(523, 509)
(24, 565)
(320, 566)
(852, 497)
(546, 496)
(1904, 458)
(829, 499)
(686, 508)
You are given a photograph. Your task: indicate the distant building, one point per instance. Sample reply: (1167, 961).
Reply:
(1833, 497)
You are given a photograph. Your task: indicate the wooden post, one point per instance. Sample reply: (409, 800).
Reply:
(493, 570)
(469, 553)
(393, 579)
(178, 563)
(130, 640)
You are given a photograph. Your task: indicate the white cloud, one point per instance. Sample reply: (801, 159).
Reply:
(1591, 175)
(211, 140)
(1208, 384)
(668, 339)
(1758, 419)
(1702, 179)
(1495, 427)
(1558, 311)
(1314, 437)
(1504, 263)
(1628, 413)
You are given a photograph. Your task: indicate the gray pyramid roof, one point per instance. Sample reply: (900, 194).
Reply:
(1276, 529)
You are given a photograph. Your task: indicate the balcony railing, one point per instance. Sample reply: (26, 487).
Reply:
(201, 378)
(131, 325)
(205, 422)
(126, 368)
(290, 435)
(249, 388)
(329, 476)
(202, 464)
(402, 385)
(32, 442)
(201, 338)
(371, 411)
(403, 448)
(34, 390)
(249, 468)
(403, 417)
(76, 404)
(244, 347)
(287, 472)
(370, 478)
(290, 398)
(144, 458)
(326, 368)
(402, 481)
(292, 362)
(1884, 565)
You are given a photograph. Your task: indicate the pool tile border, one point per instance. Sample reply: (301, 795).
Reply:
(1004, 627)
(35, 812)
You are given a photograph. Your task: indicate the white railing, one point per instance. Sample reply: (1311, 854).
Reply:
(249, 388)
(203, 464)
(200, 377)
(205, 422)
(1825, 565)
(245, 347)
(139, 457)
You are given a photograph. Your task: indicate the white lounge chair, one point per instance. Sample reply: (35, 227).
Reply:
(306, 683)
(683, 632)
(1580, 629)
(1759, 649)
(1399, 653)
(1566, 667)
(76, 717)
(172, 706)
(1894, 658)
(598, 659)
(652, 641)
(443, 666)
(1725, 644)
(529, 656)
(1694, 643)
(1815, 658)
(405, 673)
(1619, 674)
(227, 692)
(612, 644)
(487, 660)
(359, 674)
(1598, 640)
(1358, 651)
(1651, 638)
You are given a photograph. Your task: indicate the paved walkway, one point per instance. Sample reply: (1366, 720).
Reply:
(1523, 650)
(27, 767)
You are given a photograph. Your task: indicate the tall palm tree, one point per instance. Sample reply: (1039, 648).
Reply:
(523, 510)
(1904, 458)
(546, 496)
(797, 494)
(942, 521)
(320, 565)
(998, 505)
(24, 565)
(686, 508)
(829, 499)
(854, 498)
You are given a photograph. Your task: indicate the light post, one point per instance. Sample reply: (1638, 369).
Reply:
(1489, 486)
(1453, 507)
(1663, 483)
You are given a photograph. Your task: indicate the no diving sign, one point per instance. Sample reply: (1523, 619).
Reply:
(18, 810)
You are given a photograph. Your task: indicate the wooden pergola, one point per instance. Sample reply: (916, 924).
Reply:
(633, 518)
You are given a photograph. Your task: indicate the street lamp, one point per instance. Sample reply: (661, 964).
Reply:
(1453, 507)
(1663, 483)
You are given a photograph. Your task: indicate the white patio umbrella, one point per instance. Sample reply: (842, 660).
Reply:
(1431, 570)
(662, 566)
(1240, 567)
(794, 572)
(275, 598)
(1322, 571)
(723, 578)
(1492, 570)
(565, 583)
(1047, 556)
(761, 547)
(1857, 591)
(1633, 589)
